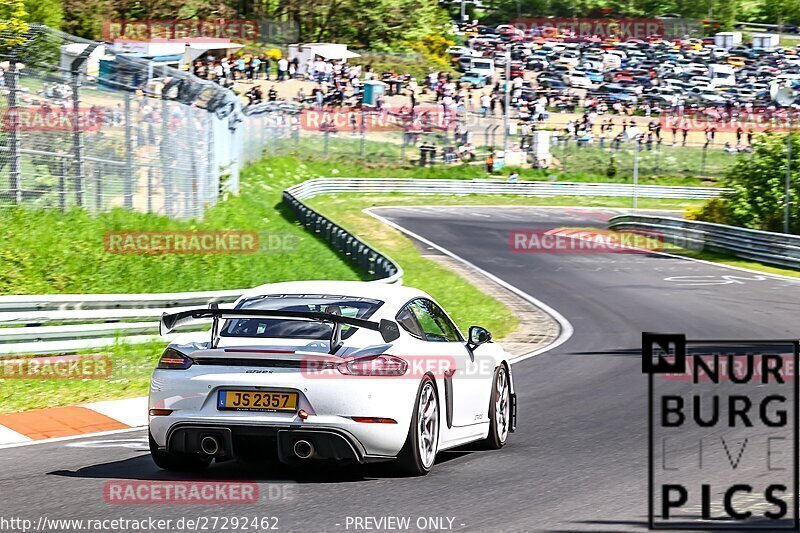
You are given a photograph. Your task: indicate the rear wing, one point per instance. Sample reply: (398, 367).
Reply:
(169, 321)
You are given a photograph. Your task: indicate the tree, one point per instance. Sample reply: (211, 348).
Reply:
(47, 12)
(12, 25)
(758, 184)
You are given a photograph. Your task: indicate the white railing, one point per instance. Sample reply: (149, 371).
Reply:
(491, 187)
(779, 249)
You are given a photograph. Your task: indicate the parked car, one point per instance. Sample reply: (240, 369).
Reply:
(475, 79)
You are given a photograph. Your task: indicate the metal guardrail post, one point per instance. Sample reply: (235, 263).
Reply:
(150, 189)
(213, 175)
(788, 185)
(635, 170)
(62, 184)
(164, 149)
(703, 160)
(98, 186)
(77, 123)
(363, 133)
(130, 179)
(15, 163)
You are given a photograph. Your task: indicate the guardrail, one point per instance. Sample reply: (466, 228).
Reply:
(369, 261)
(778, 249)
(41, 302)
(490, 187)
(64, 323)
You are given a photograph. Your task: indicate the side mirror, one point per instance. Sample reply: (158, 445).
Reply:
(478, 336)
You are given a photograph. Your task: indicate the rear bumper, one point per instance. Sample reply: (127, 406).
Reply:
(241, 441)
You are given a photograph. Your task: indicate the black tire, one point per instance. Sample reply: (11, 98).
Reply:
(496, 440)
(178, 462)
(409, 460)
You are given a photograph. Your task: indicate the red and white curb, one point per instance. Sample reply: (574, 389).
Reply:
(58, 423)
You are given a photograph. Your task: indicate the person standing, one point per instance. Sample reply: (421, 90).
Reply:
(255, 67)
(283, 68)
(486, 102)
(239, 71)
(267, 65)
(226, 68)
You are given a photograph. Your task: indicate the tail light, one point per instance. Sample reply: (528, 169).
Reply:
(172, 359)
(374, 365)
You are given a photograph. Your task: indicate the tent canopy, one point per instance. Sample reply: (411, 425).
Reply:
(333, 52)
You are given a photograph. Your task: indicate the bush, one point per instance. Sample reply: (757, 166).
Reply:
(757, 186)
(715, 210)
(415, 64)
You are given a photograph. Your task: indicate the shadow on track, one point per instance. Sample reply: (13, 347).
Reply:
(143, 468)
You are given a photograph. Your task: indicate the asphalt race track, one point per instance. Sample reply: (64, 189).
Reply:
(578, 461)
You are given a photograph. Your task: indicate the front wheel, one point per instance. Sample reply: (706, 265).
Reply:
(419, 452)
(499, 410)
(180, 462)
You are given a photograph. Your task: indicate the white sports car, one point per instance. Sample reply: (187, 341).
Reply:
(327, 370)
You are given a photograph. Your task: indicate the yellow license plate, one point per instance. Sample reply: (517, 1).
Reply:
(239, 400)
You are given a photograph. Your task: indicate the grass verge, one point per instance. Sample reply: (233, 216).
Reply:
(131, 367)
(678, 166)
(47, 251)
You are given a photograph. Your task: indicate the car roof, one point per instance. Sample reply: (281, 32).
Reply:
(393, 294)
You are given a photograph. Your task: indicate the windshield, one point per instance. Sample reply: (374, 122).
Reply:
(278, 328)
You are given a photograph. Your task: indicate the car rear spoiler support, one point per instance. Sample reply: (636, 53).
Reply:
(169, 321)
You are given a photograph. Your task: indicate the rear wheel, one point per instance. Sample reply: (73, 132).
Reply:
(419, 452)
(499, 410)
(181, 462)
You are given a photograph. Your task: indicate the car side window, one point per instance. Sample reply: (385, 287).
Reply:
(435, 325)
(409, 323)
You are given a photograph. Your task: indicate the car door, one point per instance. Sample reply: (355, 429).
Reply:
(442, 339)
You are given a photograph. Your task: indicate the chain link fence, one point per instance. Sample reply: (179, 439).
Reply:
(82, 127)
(608, 156)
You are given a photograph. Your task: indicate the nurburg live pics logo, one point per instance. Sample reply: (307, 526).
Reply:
(722, 433)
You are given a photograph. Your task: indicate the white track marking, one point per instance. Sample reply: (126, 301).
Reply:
(131, 412)
(71, 437)
(11, 437)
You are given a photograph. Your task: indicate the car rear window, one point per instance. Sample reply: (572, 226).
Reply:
(281, 328)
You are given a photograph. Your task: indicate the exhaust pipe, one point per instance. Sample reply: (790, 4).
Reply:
(210, 445)
(303, 449)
